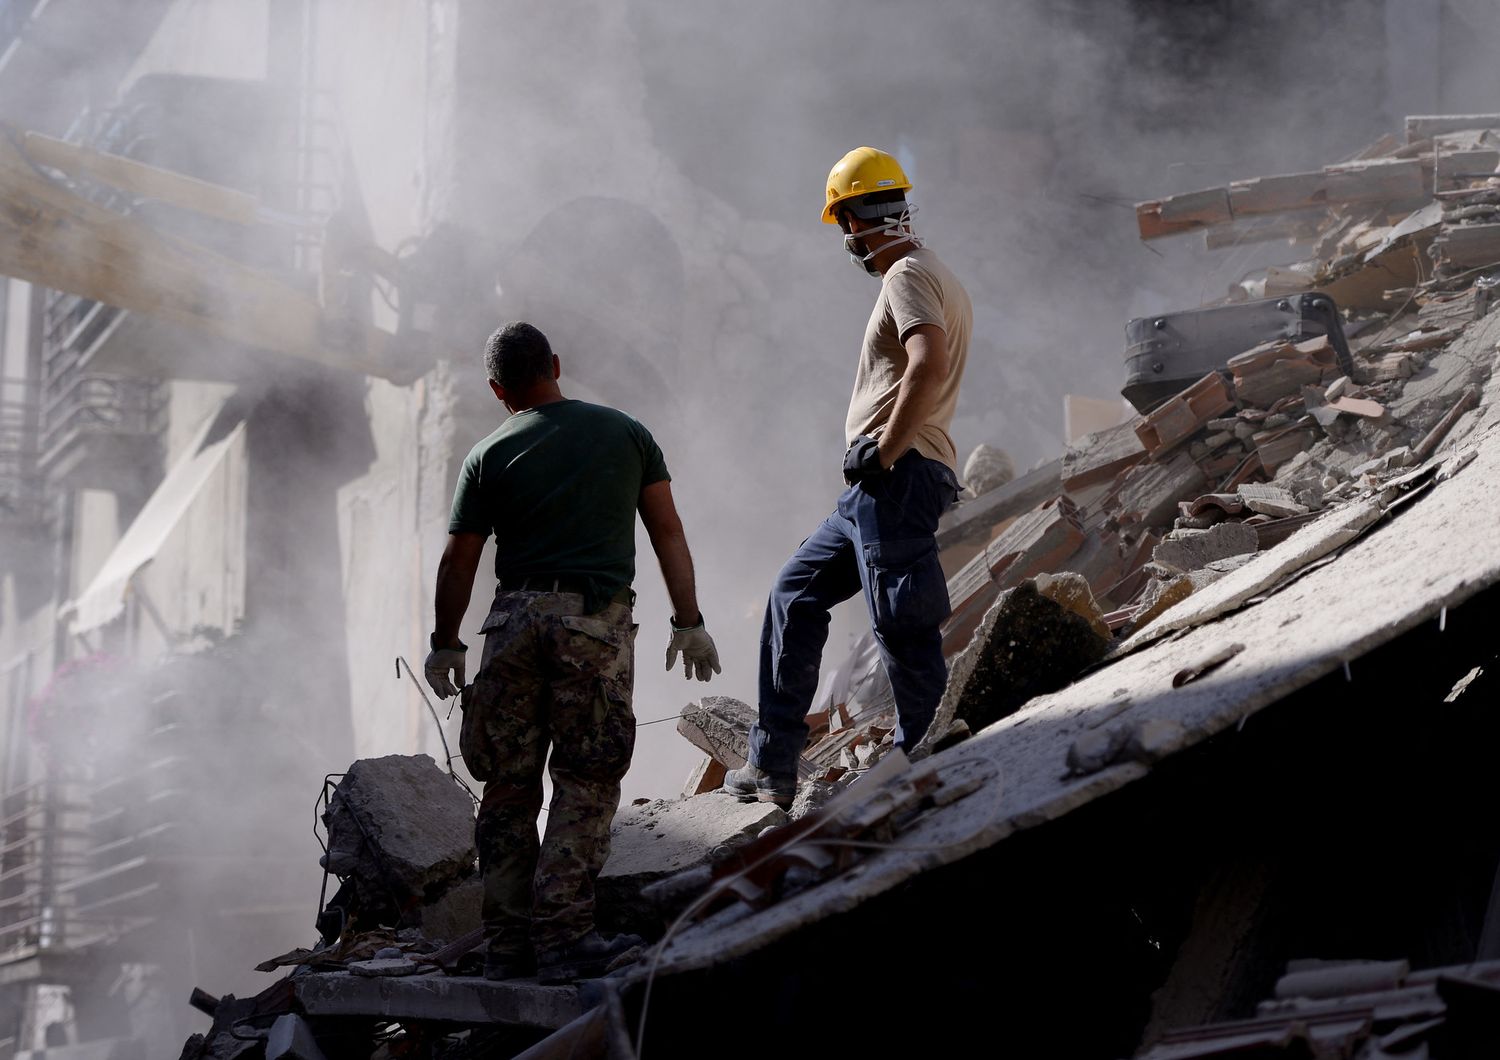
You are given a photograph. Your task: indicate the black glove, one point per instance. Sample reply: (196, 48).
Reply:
(862, 461)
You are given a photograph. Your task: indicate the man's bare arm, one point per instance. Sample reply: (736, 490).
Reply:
(926, 369)
(455, 584)
(669, 541)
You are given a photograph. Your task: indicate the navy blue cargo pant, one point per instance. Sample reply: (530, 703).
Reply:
(879, 540)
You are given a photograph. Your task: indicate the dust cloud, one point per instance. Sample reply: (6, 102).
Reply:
(643, 182)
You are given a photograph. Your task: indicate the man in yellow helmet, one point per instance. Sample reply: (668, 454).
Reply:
(900, 468)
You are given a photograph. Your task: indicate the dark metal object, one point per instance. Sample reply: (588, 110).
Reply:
(1168, 353)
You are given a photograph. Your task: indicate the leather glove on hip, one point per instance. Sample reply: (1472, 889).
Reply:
(440, 662)
(862, 461)
(699, 656)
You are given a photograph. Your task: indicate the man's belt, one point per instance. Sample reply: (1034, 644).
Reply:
(540, 583)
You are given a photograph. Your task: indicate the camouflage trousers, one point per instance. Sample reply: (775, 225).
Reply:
(554, 677)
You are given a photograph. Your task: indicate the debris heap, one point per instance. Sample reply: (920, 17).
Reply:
(1404, 241)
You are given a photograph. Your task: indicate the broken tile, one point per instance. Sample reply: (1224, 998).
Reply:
(1184, 414)
(1270, 500)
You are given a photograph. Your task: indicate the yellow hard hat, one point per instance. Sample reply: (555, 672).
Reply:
(862, 171)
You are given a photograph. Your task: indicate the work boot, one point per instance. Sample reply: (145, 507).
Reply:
(498, 966)
(750, 783)
(588, 958)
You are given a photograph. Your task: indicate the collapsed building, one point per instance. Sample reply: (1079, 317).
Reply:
(232, 405)
(1209, 775)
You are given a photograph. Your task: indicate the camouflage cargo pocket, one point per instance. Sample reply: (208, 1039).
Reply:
(473, 745)
(594, 727)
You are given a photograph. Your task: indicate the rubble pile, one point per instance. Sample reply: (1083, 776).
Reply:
(401, 838)
(1232, 480)
(1238, 458)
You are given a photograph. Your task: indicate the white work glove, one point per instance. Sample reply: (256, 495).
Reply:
(440, 662)
(699, 656)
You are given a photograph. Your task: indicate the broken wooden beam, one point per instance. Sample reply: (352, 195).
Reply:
(1380, 180)
(1426, 126)
(1099, 457)
(1467, 246)
(975, 520)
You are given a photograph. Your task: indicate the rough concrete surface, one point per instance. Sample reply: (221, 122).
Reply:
(661, 838)
(1429, 394)
(454, 913)
(400, 824)
(1025, 645)
(1187, 550)
(457, 999)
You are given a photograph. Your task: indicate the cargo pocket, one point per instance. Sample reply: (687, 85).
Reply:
(908, 591)
(594, 730)
(474, 746)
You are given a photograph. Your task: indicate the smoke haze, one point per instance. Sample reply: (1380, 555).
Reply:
(642, 182)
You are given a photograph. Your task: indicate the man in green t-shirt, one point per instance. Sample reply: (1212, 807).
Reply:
(559, 485)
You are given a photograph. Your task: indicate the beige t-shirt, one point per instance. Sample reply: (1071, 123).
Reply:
(918, 289)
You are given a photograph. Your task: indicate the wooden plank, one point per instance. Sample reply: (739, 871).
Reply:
(1381, 180)
(1426, 126)
(1468, 246)
(1295, 225)
(53, 237)
(974, 519)
(148, 181)
(1183, 213)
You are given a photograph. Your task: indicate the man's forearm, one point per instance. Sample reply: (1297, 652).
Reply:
(451, 600)
(915, 400)
(677, 571)
(455, 583)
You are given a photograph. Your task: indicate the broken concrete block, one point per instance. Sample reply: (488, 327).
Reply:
(987, 469)
(454, 913)
(659, 839)
(813, 795)
(1187, 550)
(1150, 492)
(1026, 645)
(400, 831)
(1275, 501)
(1072, 591)
(719, 726)
(1161, 596)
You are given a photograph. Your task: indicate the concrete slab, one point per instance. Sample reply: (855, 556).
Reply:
(660, 839)
(450, 999)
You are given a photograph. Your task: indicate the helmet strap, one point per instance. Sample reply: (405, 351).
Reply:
(897, 223)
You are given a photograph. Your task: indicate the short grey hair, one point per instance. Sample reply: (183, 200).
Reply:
(517, 354)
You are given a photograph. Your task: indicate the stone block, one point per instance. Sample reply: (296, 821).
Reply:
(1187, 550)
(400, 830)
(1027, 644)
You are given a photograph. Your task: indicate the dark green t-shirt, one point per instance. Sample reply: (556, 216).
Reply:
(558, 486)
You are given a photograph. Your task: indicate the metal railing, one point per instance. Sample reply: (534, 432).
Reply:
(75, 867)
(80, 405)
(20, 496)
